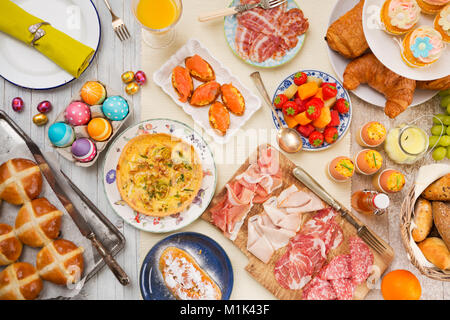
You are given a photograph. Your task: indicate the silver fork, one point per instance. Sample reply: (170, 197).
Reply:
(265, 4)
(119, 27)
(362, 231)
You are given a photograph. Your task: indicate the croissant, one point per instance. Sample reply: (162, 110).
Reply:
(346, 35)
(438, 84)
(399, 91)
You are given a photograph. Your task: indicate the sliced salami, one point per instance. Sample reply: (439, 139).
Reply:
(361, 260)
(343, 288)
(319, 289)
(338, 268)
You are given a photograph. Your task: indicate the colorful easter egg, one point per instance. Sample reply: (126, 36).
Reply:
(115, 108)
(93, 92)
(132, 88)
(99, 129)
(140, 78)
(127, 77)
(40, 119)
(17, 104)
(77, 113)
(44, 106)
(84, 150)
(61, 134)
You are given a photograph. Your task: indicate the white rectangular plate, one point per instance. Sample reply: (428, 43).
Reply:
(163, 76)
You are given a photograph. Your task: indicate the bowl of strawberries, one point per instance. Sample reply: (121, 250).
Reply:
(316, 105)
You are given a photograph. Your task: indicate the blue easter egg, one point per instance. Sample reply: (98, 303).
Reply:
(115, 108)
(61, 134)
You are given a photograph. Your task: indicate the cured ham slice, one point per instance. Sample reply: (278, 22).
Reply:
(257, 244)
(295, 199)
(338, 268)
(361, 260)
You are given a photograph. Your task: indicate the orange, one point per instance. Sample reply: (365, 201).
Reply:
(93, 93)
(400, 285)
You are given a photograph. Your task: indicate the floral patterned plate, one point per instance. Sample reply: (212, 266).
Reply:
(230, 26)
(345, 119)
(176, 221)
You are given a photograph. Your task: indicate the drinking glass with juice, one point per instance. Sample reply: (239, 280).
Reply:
(158, 19)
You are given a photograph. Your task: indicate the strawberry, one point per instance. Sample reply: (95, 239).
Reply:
(290, 108)
(342, 105)
(316, 139)
(306, 130)
(314, 108)
(279, 101)
(329, 91)
(335, 121)
(331, 135)
(300, 78)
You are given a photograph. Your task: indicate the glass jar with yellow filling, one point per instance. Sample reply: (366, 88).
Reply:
(406, 144)
(372, 134)
(340, 169)
(368, 162)
(389, 181)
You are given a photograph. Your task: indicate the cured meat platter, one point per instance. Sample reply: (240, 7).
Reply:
(267, 267)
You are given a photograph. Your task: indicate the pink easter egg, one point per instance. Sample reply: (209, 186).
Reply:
(77, 113)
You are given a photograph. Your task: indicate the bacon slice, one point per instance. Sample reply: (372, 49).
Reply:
(244, 38)
(264, 47)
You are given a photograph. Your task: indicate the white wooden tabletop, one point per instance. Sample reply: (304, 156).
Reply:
(112, 59)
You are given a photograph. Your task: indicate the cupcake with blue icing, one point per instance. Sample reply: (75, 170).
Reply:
(422, 47)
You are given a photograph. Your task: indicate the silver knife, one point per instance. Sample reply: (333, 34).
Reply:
(79, 220)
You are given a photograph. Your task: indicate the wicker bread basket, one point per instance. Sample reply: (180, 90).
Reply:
(428, 175)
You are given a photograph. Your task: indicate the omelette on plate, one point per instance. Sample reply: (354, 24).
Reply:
(158, 174)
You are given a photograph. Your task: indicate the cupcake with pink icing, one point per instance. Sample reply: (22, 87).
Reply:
(399, 16)
(432, 6)
(442, 23)
(422, 47)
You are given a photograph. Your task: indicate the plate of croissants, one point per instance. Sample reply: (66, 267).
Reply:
(362, 72)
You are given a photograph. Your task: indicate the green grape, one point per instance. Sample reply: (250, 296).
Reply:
(445, 141)
(444, 93)
(433, 141)
(438, 129)
(440, 116)
(439, 153)
(448, 152)
(445, 101)
(446, 121)
(448, 131)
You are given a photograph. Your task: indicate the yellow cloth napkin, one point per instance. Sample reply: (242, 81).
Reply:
(66, 52)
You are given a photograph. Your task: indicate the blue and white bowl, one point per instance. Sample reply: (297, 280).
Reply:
(345, 119)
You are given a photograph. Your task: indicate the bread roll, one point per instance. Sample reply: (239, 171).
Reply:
(20, 181)
(60, 262)
(20, 281)
(10, 246)
(438, 190)
(435, 250)
(441, 216)
(38, 222)
(423, 220)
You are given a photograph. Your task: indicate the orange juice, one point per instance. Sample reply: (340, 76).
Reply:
(157, 14)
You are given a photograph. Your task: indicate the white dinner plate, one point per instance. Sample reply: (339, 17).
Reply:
(339, 64)
(26, 67)
(386, 47)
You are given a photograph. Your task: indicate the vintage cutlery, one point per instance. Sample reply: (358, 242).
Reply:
(265, 4)
(119, 27)
(288, 139)
(361, 230)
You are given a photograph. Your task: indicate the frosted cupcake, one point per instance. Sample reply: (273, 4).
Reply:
(422, 47)
(432, 6)
(442, 23)
(400, 16)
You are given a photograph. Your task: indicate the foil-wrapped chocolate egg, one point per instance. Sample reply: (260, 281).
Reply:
(84, 150)
(140, 78)
(127, 77)
(40, 119)
(132, 88)
(44, 106)
(17, 104)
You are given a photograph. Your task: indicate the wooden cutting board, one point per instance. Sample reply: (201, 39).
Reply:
(263, 272)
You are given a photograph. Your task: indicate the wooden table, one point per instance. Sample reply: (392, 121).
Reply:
(115, 57)
(112, 59)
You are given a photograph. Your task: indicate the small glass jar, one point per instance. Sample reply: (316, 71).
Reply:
(406, 144)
